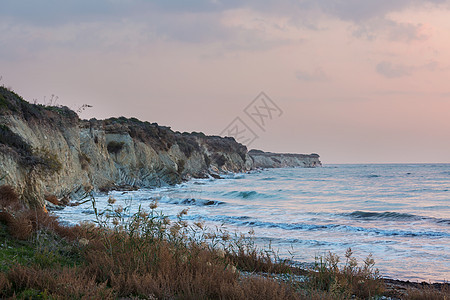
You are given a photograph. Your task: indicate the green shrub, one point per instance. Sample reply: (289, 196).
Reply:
(219, 159)
(187, 145)
(49, 161)
(3, 102)
(207, 160)
(115, 147)
(181, 164)
(13, 140)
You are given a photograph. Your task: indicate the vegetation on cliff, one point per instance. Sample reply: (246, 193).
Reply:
(48, 150)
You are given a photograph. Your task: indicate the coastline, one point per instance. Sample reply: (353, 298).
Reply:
(188, 196)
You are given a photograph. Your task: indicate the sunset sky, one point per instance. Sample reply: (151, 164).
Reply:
(357, 81)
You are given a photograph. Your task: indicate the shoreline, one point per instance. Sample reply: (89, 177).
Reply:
(232, 175)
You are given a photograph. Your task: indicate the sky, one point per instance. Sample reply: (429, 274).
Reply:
(354, 81)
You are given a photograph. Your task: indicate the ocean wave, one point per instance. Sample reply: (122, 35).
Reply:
(393, 216)
(443, 221)
(327, 227)
(387, 215)
(246, 194)
(190, 201)
(372, 176)
(268, 179)
(197, 202)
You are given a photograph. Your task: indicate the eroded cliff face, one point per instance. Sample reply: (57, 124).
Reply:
(281, 160)
(48, 151)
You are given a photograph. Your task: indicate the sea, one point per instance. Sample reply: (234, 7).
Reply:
(398, 213)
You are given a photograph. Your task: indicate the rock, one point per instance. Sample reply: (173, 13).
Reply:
(50, 152)
(52, 199)
(263, 159)
(50, 206)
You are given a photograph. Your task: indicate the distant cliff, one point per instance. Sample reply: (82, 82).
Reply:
(263, 159)
(47, 151)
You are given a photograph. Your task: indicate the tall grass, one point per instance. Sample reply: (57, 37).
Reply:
(146, 255)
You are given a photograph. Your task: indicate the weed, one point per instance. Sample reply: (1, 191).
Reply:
(362, 281)
(428, 292)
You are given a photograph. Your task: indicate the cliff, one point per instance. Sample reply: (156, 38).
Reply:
(47, 151)
(263, 159)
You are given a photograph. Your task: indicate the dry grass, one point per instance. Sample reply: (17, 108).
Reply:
(58, 283)
(9, 199)
(428, 292)
(148, 256)
(350, 279)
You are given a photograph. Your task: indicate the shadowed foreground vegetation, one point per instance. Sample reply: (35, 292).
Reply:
(147, 256)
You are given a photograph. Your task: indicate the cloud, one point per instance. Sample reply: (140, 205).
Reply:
(392, 70)
(358, 11)
(316, 75)
(59, 12)
(391, 30)
(86, 23)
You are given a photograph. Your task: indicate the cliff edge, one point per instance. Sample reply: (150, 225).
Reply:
(48, 151)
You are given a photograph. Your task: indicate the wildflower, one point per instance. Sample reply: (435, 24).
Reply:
(154, 204)
(199, 224)
(182, 213)
(143, 214)
(111, 200)
(232, 269)
(119, 209)
(87, 224)
(83, 242)
(225, 237)
(175, 229)
(220, 253)
(209, 235)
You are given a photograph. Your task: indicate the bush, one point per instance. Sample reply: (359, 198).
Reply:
(47, 160)
(3, 102)
(11, 139)
(181, 164)
(115, 147)
(219, 159)
(187, 145)
(8, 196)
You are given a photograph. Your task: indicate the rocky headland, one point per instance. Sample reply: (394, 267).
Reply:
(48, 152)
